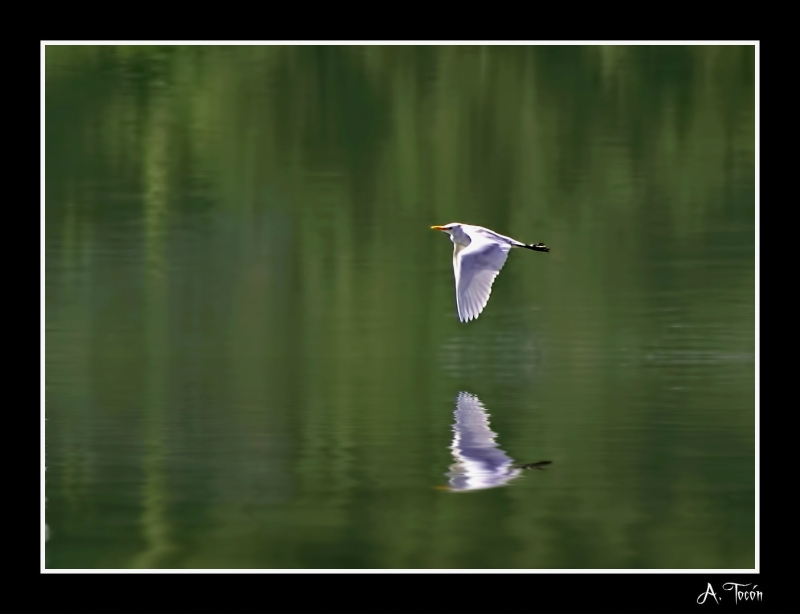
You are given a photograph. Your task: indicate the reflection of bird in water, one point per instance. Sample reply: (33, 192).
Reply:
(479, 462)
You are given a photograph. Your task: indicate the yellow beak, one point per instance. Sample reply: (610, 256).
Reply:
(438, 228)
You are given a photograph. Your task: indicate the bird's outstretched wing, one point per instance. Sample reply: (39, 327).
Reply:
(476, 266)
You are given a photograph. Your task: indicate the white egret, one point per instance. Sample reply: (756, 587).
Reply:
(478, 256)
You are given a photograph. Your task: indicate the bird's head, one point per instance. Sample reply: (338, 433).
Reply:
(456, 232)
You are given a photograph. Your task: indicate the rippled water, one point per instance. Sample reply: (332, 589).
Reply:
(253, 358)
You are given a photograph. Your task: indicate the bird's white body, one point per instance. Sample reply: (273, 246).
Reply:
(478, 256)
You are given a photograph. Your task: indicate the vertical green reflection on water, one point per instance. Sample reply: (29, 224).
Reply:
(154, 521)
(252, 347)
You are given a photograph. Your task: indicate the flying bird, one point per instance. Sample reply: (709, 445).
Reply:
(478, 256)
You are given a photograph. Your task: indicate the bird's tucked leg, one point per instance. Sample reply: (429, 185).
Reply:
(538, 247)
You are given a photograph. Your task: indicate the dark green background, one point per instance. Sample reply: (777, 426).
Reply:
(252, 349)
